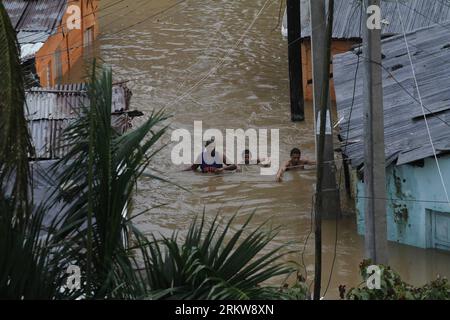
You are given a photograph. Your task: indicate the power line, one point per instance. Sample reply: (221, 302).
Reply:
(307, 238)
(79, 19)
(344, 152)
(279, 16)
(312, 29)
(424, 15)
(421, 104)
(403, 87)
(222, 61)
(152, 16)
(138, 7)
(212, 70)
(123, 29)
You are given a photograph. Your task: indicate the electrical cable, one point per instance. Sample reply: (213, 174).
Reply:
(345, 149)
(421, 104)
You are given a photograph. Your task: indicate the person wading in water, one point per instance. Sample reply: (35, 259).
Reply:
(296, 162)
(212, 163)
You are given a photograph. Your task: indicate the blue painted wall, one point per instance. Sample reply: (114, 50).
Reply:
(408, 221)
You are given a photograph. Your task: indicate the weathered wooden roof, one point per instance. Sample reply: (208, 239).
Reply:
(406, 137)
(417, 14)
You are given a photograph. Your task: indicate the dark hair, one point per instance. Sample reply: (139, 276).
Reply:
(246, 151)
(213, 152)
(209, 142)
(295, 151)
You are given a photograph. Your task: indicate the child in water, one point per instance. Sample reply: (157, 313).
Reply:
(296, 162)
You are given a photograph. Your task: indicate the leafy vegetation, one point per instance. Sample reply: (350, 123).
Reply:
(208, 266)
(394, 288)
(94, 183)
(14, 138)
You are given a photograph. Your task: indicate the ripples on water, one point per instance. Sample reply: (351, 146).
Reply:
(165, 57)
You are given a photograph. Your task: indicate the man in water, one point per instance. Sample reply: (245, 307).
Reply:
(214, 165)
(296, 162)
(248, 158)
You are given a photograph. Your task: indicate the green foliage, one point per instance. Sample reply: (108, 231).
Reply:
(95, 182)
(393, 288)
(207, 265)
(27, 268)
(105, 166)
(298, 291)
(100, 170)
(14, 138)
(30, 267)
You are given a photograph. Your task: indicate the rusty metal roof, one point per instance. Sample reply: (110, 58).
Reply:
(51, 110)
(36, 15)
(406, 136)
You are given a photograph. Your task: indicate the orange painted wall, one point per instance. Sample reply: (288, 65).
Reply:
(338, 46)
(66, 43)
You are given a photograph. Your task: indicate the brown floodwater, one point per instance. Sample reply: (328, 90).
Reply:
(168, 59)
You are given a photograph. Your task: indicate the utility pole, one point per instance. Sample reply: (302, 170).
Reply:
(331, 200)
(327, 195)
(374, 157)
(295, 60)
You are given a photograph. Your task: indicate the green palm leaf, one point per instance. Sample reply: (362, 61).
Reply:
(14, 138)
(208, 266)
(105, 166)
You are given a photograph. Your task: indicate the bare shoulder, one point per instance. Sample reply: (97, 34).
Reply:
(287, 164)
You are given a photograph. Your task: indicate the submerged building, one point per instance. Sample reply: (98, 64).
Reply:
(53, 35)
(347, 27)
(48, 112)
(418, 210)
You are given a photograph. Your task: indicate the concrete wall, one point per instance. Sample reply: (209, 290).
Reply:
(68, 44)
(409, 221)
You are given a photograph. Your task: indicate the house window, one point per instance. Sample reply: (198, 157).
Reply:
(49, 74)
(58, 65)
(88, 37)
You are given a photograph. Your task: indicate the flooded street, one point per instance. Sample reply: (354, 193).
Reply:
(170, 61)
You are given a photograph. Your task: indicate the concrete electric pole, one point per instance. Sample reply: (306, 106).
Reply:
(374, 164)
(331, 200)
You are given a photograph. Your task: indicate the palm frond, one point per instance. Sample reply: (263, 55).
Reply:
(105, 167)
(14, 137)
(208, 266)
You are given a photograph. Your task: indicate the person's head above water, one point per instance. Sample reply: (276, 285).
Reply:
(210, 147)
(296, 154)
(209, 142)
(247, 156)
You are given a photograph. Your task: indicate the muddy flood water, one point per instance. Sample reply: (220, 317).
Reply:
(168, 59)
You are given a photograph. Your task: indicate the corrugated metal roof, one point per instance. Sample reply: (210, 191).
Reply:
(25, 37)
(406, 138)
(34, 21)
(347, 16)
(46, 137)
(50, 110)
(55, 103)
(15, 9)
(36, 15)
